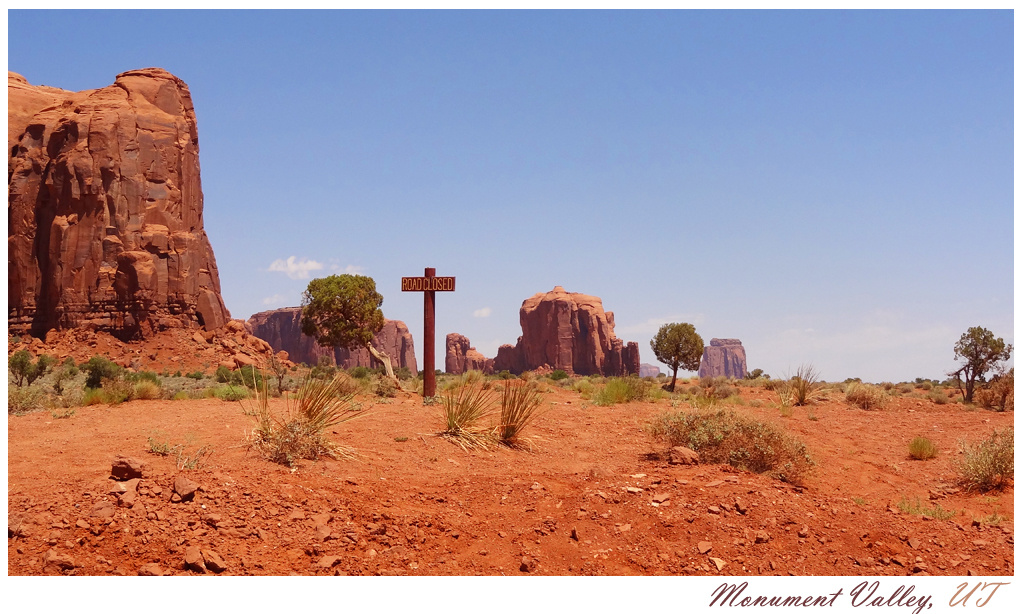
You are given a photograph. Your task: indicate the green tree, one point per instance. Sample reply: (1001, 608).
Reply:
(20, 365)
(979, 352)
(66, 371)
(344, 311)
(678, 345)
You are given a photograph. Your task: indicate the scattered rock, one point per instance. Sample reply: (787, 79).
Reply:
(126, 468)
(185, 488)
(328, 561)
(661, 498)
(54, 561)
(719, 563)
(194, 559)
(803, 532)
(214, 562)
(704, 547)
(761, 537)
(528, 565)
(681, 455)
(102, 509)
(151, 569)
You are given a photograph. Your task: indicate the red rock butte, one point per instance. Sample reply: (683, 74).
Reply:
(105, 210)
(282, 329)
(568, 331)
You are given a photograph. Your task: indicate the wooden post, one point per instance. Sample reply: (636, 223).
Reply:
(428, 284)
(429, 382)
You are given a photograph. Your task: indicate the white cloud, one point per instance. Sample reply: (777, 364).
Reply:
(296, 268)
(349, 269)
(277, 299)
(482, 313)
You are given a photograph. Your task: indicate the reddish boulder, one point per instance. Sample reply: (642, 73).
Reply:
(724, 357)
(459, 357)
(282, 330)
(568, 331)
(105, 210)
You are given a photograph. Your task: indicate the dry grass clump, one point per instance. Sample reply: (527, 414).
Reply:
(463, 408)
(804, 385)
(864, 396)
(987, 464)
(726, 437)
(520, 401)
(21, 400)
(938, 396)
(625, 390)
(922, 448)
(300, 433)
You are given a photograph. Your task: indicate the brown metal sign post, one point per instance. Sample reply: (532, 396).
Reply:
(428, 284)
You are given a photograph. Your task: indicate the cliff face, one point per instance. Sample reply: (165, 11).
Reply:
(105, 210)
(282, 329)
(568, 331)
(724, 357)
(459, 357)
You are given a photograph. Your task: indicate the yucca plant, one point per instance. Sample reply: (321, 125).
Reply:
(463, 408)
(520, 401)
(300, 433)
(804, 385)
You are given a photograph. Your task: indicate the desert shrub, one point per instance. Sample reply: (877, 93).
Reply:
(360, 372)
(181, 395)
(623, 390)
(938, 396)
(887, 386)
(463, 408)
(519, 404)
(23, 399)
(143, 376)
(757, 374)
(300, 433)
(772, 384)
(922, 448)
(917, 508)
(117, 390)
(146, 390)
(905, 388)
(504, 374)
(196, 375)
(864, 396)
(222, 375)
(726, 437)
(229, 393)
(93, 396)
(403, 374)
(251, 377)
(100, 368)
(65, 372)
(987, 464)
(719, 387)
(584, 387)
(385, 387)
(558, 374)
(997, 394)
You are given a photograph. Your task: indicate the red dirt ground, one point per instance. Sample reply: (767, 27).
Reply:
(417, 504)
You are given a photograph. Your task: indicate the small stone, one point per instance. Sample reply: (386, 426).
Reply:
(103, 509)
(714, 509)
(82, 524)
(323, 532)
(184, 488)
(634, 489)
(741, 507)
(761, 537)
(803, 532)
(151, 569)
(328, 561)
(55, 561)
(128, 499)
(528, 565)
(194, 559)
(914, 543)
(719, 563)
(536, 486)
(681, 455)
(704, 547)
(574, 535)
(126, 468)
(661, 498)
(214, 562)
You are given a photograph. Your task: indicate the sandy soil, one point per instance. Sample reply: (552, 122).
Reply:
(416, 504)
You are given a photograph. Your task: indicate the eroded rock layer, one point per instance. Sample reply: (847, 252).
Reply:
(724, 357)
(568, 331)
(282, 329)
(459, 357)
(105, 210)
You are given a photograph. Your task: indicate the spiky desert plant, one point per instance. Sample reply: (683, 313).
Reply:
(804, 385)
(463, 408)
(301, 431)
(520, 401)
(864, 396)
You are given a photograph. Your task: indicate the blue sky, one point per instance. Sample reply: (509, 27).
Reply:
(832, 188)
